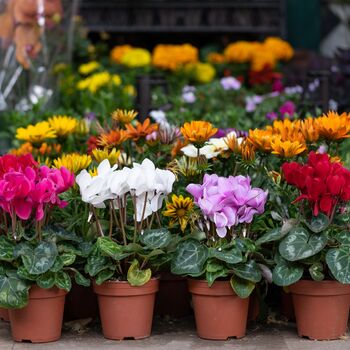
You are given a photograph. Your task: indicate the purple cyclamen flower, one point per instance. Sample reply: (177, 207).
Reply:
(230, 83)
(287, 109)
(271, 116)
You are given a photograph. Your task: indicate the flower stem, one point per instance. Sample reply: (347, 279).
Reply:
(121, 221)
(98, 224)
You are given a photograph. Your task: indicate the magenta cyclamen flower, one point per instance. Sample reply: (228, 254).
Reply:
(228, 201)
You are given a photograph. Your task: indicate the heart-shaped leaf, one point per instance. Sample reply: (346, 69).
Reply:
(338, 261)
(63, 280)
(316, 271)
(300, 244)
(232, 256)
(81, 279)
(318, 223)
(13, 292)
(136, 276)
(96, 263)
(242, 287)
(156, 238)
(273, 235)
(104, 276)
(249, 271)
(286, 273)
(46, 280)
(6, 249)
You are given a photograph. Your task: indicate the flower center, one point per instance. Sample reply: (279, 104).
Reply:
(181, 212)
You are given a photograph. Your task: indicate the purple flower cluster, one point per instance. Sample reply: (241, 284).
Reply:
(228, 201)
(230, 83)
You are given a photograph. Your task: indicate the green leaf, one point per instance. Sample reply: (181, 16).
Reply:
(22, 248)
(156, 238)
(41, 259)
(136, 276)
(23, 273)
(6, 249)
(343, 237)
(214, 270)
(189, 258)
(85, 249)
(64, 247)
(300, 244)
(63, 280)
(58, 265)
(103, 276)
(273, 235)
(60, 233)
(338, 261)
(81, 279)
(318, 223)
(46, 280)
(249, 271)
(96, 263)
(242, 287)
(13, 292)
(110, 248)
(68, 258)
(316, 271)
(232, 256)
(286, 273)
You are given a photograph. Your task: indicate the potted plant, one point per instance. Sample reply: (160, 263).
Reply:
(36, 256)
(131, 243)
(313, 255)
(219, 258)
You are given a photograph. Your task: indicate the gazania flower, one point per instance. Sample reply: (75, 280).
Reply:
(247, 150)
(124, 116)
(74, 162)
(261, 139)
(63, 125)
(112, 139)
(333, 126)
(309, 129)
(102, 154)
(88, 68)
(36, 133)
(179, 210)
(198, 131)
(25, 148)
(188, 166)
(141, 130)
(287, 149)
(46, 149)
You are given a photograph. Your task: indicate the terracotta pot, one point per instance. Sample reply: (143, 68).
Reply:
(287, 308)
(218, 311)
(81, 302)
(126, 311)
(321, 308)
(173, 298)
(4, 315)
(41, 320)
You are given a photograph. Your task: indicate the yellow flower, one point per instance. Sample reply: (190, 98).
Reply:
(204, 72)
(261, 139)
(102, 154)
(333, 126)
(36, 133)
(309, 129)
(59, 67)
(129, 90)
(88, 68)
(94, 82)
(116, 80)
(179, 210)
(93, 171)
(74, 162)
(173, 57)
(118, 52)
(287, 149)
(136, 58)
(198, 131)
(63, 125)
(281, 49)
(262, 58)
(240, 51)
(83, 127)
(124, 116)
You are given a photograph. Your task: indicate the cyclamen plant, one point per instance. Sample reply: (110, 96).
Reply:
(31, 250)
(129, 246)
(223, 248)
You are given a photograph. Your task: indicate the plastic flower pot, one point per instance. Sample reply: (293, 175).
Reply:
(4, 314)
(321, 308)
(126, 312)
(41, 320)
(173, 298)
(219, 312)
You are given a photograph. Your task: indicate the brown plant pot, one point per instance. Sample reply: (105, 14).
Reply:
(126, 311)
(81, 302)
(4, 315)
(41, 320)
(321, 308)
(287, 308)
(219, 312)
(173, 298)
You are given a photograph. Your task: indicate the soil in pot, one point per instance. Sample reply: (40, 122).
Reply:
(41, 320)
(126, 312)
(173, 298)
(219, 312)
(4, 315)
(321, 308)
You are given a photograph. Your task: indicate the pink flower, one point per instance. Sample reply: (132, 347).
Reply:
(287, 109)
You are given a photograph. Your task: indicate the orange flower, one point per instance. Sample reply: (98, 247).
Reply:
(288, 130)
(215, 57)
(23, 149)
(309, 129)
(176, 150)
(261, 139)
(141, 130)
(198, 131)
(287, 149)
(118, 52)
(48, 149)
(112, 139)
(247, 150)
(333, 126)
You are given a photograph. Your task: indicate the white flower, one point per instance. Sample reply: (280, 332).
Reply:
(159, 116)
(141, 177)
(118, 182)
(190, 151)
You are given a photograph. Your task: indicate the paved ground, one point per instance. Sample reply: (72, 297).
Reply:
(179, 335)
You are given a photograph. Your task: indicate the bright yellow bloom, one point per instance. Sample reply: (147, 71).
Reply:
(129, 90)
(94, 82)
(112, 138)
(309, 129)
(36, 133)
(261, 139)
(333, 126)
(74, 162)
(136, 58)
(116, 79)
(141, 130)
(215, 58)
(281, 49)
(241, 51)
(25, 148)
(173, 57)
(83, 127)
(88, 68)
(124, 116)
(102, 154)
(287, 149)
(262, 58)
(198, 131)
(118, 52)
(204, 72)
(63, 125)
(93, 171)
(179, 210)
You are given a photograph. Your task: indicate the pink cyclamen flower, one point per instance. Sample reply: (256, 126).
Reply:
(287, 109)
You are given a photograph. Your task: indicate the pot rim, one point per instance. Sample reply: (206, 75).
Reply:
(320, 288)
(36, 292)
(218, 288)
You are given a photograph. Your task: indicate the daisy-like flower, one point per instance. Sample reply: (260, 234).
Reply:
(179, 210)
(74, 162)
(102, 154)
(287, 149)
(124, 116)
(309, 129)
(112, 139)
(37, 133)
(25, 148)
(198, 131)
(261, 139)
(332, 126)
(63, 125)
(88, 68)
(141, 130)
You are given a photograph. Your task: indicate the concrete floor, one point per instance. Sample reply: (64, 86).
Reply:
(179, 335)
